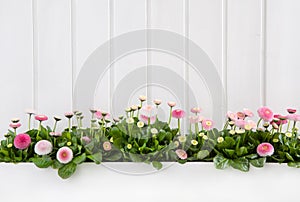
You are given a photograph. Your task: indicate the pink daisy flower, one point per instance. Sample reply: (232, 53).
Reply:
(240, 115)
(178, 113)
(181, 154)
(64, 155)
(106, 146)
(22, 141)
(294, 117)
(41, 118)
(265, 113)
(240, 123)
(43, 147)
(99, 115)
(145, 118)
(291, 111)
(265, 149)
(207, 124)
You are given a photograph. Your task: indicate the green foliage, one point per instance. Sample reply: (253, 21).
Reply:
(153, 144)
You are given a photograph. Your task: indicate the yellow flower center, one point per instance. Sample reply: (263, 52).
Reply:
(209, 123)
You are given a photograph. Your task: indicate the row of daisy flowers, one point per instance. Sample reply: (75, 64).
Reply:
(145, 117)
(42, 146)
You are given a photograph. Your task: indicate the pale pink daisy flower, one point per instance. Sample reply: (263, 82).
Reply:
(55, 134)
(231, 116)
(86, 139)
(106, 146)
(157, 101)
(181, 154)
(43, 147)
(15, 125)
(69, 115)
(172, 104)
(248, 112)
(196, 110)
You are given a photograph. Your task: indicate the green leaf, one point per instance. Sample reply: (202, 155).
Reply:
(114, 156)
(157, 165)
(251, 156)
(289, 157)
(241, 164)
(79, 159)
(56, 164)
(42, 162)
(221, 162)
(241, 151)
(229, 152)
(294, 164)
(213, 134)
(202, 154)
(97, 157)
(259, 163)
(67, 170)
(135, 157)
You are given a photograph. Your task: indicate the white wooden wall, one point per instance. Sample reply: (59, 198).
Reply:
(254, 45)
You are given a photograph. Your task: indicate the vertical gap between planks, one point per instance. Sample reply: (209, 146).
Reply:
(73, 50)
(225, 51)
(186, 55)
(148, 56)
(263, 53)
(111, 54)
(35, 51)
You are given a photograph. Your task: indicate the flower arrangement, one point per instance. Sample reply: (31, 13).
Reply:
(140, 136)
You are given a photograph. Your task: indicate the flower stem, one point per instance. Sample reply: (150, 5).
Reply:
(54, 127)
(149, 121)
(179, 126)
(170, 116)
(259, 122)
(69, 124)
(29, 121)
(196, 128)
(226, 125)
(40, 128)
(288, 127)
(294, 127)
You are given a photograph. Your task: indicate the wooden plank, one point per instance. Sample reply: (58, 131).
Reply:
(54, 77)
(16, 78)
(205, 29)
(283, 55)
(244, 42)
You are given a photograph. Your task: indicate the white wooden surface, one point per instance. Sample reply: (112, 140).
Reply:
(254, 45)
(189, 182)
